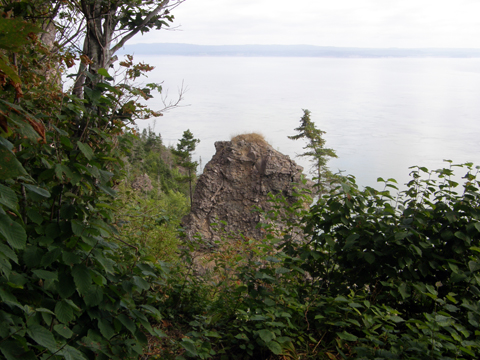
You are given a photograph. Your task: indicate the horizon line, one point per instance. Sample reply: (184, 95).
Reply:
(320, 46)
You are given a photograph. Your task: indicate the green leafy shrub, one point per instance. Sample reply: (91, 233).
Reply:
(67, 289)
(151, 223)
(408, 263)
(376, 276)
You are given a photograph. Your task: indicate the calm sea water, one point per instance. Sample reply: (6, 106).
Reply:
(381, 115)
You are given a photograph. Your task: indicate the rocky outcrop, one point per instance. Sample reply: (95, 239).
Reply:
(238, 179)
(143, 183)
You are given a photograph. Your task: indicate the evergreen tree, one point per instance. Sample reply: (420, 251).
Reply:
(315, 147)
(184, 151)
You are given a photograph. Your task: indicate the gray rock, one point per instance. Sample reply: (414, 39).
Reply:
(237, 179)
(143, 183)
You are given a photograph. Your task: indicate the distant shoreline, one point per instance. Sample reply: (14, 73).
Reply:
(294, 51)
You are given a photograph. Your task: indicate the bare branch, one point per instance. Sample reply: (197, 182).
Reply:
(169, 104)
(135, 31)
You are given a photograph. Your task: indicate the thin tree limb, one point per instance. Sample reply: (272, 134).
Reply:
(135, 31)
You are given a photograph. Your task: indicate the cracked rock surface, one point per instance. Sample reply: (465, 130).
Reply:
(236, 180)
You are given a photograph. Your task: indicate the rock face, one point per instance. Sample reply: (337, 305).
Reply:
(143, 183)
(238, 178)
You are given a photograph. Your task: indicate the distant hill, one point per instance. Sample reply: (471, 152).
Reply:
(294, 51)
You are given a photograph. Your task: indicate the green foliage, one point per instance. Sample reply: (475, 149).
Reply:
(15, 33)
(376, 276)
(184, 151)
(151, 223)
(315, 147)
(146, 154)
(68, 289)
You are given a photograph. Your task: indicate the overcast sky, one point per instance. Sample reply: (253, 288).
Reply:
(349, 23)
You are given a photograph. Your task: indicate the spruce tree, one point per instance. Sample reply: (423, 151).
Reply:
(315, 147)
(184, 151)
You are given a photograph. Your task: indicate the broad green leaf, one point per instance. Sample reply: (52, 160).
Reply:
(44, 310)
(159, 333)
(444, 321)
(8, 252)
(152, 310)
(108, 190)
(283, 339)
(274, 347)
(63, 330)
(82, 278)
(77, 227)
(467, 351)
(51, 256)
(106, 328)
(62, 169)
(140, 283)
(396, 319)
(13, 232)
(266, 335)
(35, 216)
(66, 142)
(71, 258)
(127, 322)
(212, 334)
(94, 296)
(8, 297)
(46, 275)
(417, 249)
(8, 197)
(273, 259)
(241, 336)
(454, 268)
(451, 298)
(475, 248)
(477, 225)
(64, 312)
(281, 270)
(269, 302)
(370, 257)
(350, 241)
(347, 336)
(262, 275)
(8, 70)
(37, 190)
(402, 289)
(86, 150)
(73, 305)
(93, 95)
(189, 347)
(10, 167)
(461, 236)
(70, 353)
(108, 264)
(103, 72)
(473, 266)
(431, 289)
(42, 337)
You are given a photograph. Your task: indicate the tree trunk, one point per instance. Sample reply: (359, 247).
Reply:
(96, 45)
